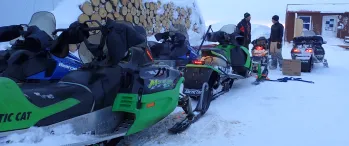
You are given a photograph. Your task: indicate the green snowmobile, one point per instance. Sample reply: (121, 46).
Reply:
(220, 65)
(105, 100)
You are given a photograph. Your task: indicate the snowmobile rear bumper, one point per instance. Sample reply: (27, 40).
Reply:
(301, 57)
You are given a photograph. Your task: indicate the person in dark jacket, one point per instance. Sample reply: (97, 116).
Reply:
(244, 27)
(276, 35)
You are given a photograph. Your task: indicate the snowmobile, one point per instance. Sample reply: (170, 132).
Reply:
(309, 50)
(101, 99)
(260, 58)
(37, 65)
(174, 50)
(220, 66)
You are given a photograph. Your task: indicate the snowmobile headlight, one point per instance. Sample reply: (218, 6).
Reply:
(295, 50)
(259, 48)
(309, 50)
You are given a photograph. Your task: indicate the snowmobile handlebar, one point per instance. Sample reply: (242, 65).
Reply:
(100, 27)
(85, 29)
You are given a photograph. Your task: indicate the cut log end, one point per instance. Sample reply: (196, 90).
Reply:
(102, 12)
(129, 17)
(124, 2)
(87, 8)
(124, 10)
(95, 2)
(109, 7)
(115, 2)
(111, 16)
(136, 19)
(83, 18)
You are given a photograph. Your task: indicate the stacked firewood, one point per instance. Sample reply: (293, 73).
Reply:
(154, 17)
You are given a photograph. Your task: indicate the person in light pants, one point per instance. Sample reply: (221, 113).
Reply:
(276, 35)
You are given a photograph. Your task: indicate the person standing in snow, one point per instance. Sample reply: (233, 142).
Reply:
(244, 27)
(276, 35)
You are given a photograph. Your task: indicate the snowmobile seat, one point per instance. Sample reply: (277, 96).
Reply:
(23, 64)
(214, 52)
(103, 82)
(44, 95)
(48, 94)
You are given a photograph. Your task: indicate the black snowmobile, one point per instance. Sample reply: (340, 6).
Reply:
(112, 96)
(309, 50)
(174, 50)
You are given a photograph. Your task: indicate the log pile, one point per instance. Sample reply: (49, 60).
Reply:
(155, 17)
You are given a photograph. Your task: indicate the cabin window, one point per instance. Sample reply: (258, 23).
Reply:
(306, 22)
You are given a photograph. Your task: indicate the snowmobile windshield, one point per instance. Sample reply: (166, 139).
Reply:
(45, 21)
(88, 49)
(229, 28)
(308, 33)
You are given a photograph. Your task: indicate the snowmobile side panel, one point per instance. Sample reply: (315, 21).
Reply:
(227, 49)
(17, 112)
(148, 108)
(197, 75)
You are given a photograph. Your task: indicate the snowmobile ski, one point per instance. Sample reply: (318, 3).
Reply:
(193, 115)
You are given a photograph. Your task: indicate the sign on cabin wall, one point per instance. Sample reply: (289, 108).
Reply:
(155, 17)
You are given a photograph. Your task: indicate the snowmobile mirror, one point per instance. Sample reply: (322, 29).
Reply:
(325, 42)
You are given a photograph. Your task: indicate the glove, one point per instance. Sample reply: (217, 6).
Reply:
(76, 32)
(17, 27)
(30, 30)
(279, 45)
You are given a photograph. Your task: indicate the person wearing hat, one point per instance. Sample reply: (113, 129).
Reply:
(276, 35)
(244, 27)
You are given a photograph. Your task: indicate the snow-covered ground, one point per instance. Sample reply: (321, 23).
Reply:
(270, 114)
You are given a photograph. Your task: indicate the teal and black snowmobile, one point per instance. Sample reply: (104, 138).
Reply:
(218, 66)
(118, 93)
(260, 59)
